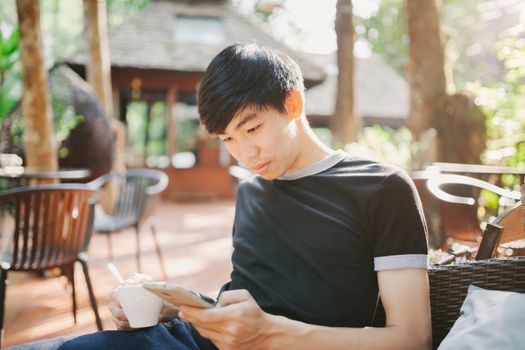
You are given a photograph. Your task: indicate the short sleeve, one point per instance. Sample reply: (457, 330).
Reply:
(398, 225)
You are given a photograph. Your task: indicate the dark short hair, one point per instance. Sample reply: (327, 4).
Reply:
(245, 75)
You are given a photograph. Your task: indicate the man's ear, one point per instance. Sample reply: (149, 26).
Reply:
(294, 104)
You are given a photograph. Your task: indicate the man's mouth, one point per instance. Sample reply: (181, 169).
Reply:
(261, 167)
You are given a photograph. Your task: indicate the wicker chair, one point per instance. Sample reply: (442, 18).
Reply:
(45, 227)
(138, 187)
(449, 285)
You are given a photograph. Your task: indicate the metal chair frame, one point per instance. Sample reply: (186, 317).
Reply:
(507, 226)
(133, 206)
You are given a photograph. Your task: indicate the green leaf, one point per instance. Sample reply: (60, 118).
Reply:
(6, 105)
(12, 43)
(489, 199)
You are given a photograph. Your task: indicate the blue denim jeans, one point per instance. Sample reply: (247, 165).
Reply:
(44, 344)
(174, 335)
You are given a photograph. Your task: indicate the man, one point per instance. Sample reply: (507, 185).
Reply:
(318, 234)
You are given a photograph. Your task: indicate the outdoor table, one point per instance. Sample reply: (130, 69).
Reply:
(480, 171)
(477, 169)
(23, 175)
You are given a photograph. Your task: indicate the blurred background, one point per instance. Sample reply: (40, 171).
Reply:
(431, 81)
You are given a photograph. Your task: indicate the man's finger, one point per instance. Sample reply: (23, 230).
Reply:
(233, 297)
(120, 324)
(203, 316)
(117, 312)
(114, 296)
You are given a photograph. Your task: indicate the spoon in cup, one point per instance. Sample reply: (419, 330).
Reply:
(113, 269)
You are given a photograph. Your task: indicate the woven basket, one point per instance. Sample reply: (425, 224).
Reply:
(449, 285)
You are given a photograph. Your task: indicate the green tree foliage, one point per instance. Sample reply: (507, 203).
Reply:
(504, 103)
(388, 145)
(9, 71)
(386, 32)
(63, 24)
(469, 40)
(470, 47)
(63, 30)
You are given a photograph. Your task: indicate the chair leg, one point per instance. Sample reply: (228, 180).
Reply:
(71, 277)
(82, 258)
(157, 247)
(3, 287)
(137, 230)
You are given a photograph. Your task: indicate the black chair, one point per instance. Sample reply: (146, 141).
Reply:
(45, 227)
(137, 189)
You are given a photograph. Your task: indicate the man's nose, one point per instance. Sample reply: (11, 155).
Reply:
(249, 151)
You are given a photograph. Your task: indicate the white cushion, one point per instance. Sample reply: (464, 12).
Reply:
(489, 319)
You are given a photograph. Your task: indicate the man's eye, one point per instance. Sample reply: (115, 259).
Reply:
(228, 139)
(254, 128)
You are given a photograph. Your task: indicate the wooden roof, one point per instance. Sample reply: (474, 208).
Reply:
(147, 40)
(381, 95)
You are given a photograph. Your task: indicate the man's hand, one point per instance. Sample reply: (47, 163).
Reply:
(237, 322)
(117, 314)
(168, 312)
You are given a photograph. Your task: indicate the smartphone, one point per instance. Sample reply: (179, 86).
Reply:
(178, 295)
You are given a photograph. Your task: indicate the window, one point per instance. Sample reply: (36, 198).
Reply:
(146, 134)
(199, 30)
(187, 131)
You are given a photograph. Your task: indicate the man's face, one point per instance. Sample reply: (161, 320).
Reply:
(263, 141)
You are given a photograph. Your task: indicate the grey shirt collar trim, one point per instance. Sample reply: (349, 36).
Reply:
(315, 168)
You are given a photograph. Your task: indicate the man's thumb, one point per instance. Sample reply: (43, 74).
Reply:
(233, 296)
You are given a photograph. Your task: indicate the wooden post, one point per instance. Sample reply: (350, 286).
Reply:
(171, 125)
(39, 139)
(99, 67)
(99, 77)
(99, 73)
(345, 124)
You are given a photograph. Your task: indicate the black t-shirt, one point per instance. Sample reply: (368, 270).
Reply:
(307, 246)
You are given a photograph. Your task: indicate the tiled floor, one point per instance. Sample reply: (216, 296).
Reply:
(196, 243)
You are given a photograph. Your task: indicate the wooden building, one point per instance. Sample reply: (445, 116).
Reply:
(382, 95)
(157, 60)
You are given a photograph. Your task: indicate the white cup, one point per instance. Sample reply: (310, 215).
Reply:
(142, 308)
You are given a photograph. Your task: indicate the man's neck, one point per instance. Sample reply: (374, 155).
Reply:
(310, 148)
